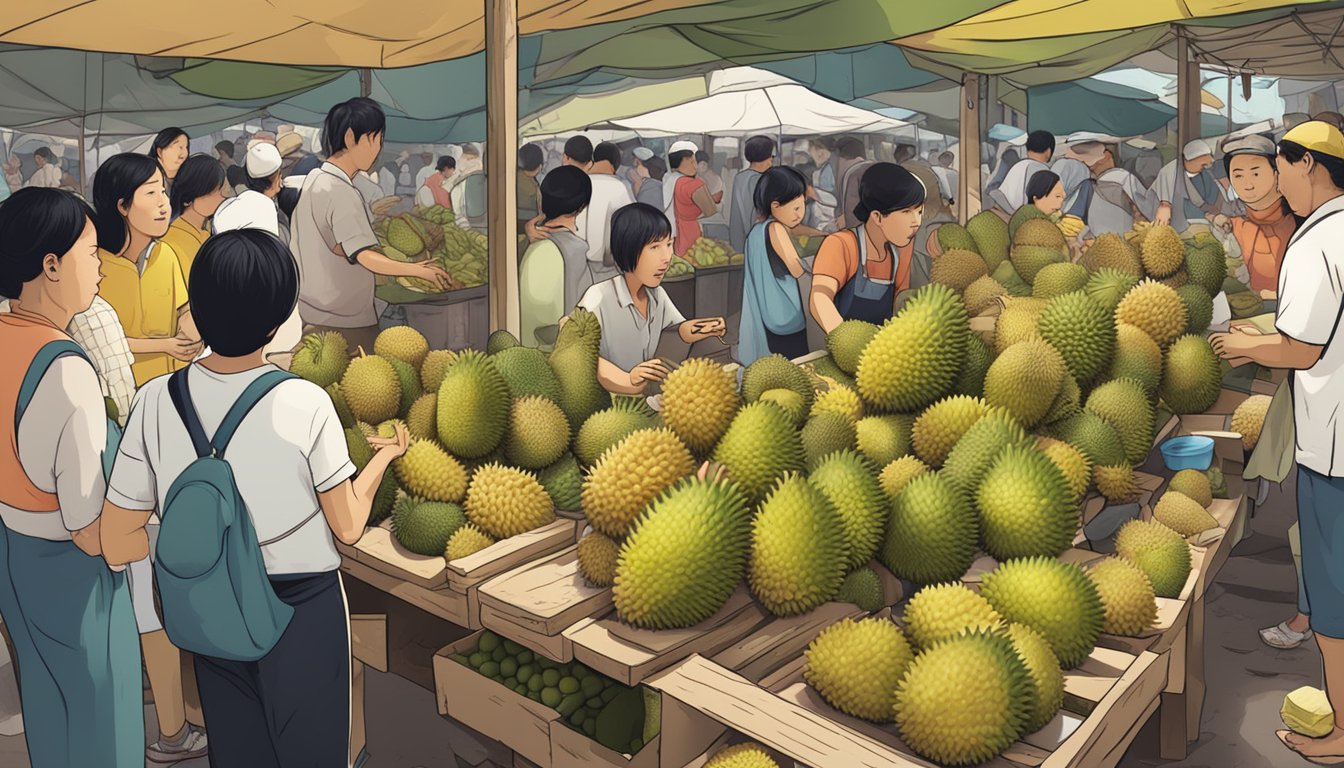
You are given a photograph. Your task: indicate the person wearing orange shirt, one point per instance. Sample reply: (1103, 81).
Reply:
(1263, 233)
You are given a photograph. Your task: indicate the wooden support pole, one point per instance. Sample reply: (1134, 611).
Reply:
(365, 82)
(968, 181)
(1188, 91)
(501, 66)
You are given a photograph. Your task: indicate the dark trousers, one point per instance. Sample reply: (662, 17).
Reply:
(291, 709)
(790, 345)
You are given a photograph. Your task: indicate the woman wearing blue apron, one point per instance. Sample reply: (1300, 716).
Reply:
(859, 273)
(773, 321)
(68, 615)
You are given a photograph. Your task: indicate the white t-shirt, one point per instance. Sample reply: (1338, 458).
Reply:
(594, 224)
(629, 338)
(48, 176)
(289, 449)
(1311, 292)
(1014, 185)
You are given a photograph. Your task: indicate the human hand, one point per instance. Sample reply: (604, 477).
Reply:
(535, 231)
(710, 326)
(180, 347)
(1163, 214)
(713, 472)
(395, 446)
(428, 270)
(1234, 344)
(649, 370)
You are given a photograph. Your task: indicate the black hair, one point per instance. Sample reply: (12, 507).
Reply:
(702, 157)
(243, 286)
(904, 152)
(530, 157)
(1040, 141)
(608, 152)
(44, 153)
(824, 143)
(780, 184)
(260, 184)
(287, 200)
(564, 191)
(656, 167)
(199, 176)
(34, 222)
(1040, 184)
(632, 228)
(226, 147)
(445, 161)
(850, 148)
(887, 187)
(360, 115)
(164, 138)
(1294, 152)
(579, 149)
(236, 175)
(675, 159)
(115, 183)
(758, 149)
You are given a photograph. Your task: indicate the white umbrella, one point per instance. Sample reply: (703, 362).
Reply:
(783, 109)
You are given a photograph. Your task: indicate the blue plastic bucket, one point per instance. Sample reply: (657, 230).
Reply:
(1188, 452)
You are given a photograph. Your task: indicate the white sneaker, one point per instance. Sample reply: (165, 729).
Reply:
(1283, 637)
(192, 747)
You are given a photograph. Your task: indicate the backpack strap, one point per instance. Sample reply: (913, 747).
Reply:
(186, 410)
(47, 355)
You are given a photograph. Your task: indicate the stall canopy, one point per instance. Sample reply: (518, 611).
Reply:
(1092, 104)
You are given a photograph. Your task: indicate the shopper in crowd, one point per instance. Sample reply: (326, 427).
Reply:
(1186, 190)
(48, 173)
(255, 207)
(226, 153)
(759, 152)
(467, 190)
(1045, 190)
(948, 178)
(1078, 185)
(578, 152)
(859, 272)
(705, 172)
(821, 150)
(427, 166)
(609, 196)
(530, 162)
(1310, 166)
(68, 616)
(638, 171)
(200, 189)
(292, 469)
(170, 148)
(685, 197)
(434, 190)
(1040, 151)
(632, 308)
(1117, 195)
(1007, 160)
(848, 172)
(555, 272)
(331, 234)
(651, 191)
(1263, 233)
(13, 173)
(773, 319)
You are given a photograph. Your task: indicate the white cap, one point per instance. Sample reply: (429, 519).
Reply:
(1196, 148)
(262, 160)
(643, 153)
(683, 146)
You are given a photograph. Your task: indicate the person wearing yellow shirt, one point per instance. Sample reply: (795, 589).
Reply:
(197, 192)
(142, 277)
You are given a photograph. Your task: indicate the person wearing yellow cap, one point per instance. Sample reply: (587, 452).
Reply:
(1310, 162)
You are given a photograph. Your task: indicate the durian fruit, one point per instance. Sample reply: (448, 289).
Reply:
(504, 501)
(742, 756)
(759, 448)
(699, 401)
(527, 373)
(826, 368)
(1126, 596)
(847, 481)
(404, 343)
(942, 611)
(942, 424)
(1194, 484)
(1193, 376)
(384, 499)
(1052, 597)
(776, 372)
(788, 401)
(1024, 380)
(403, 237)
(965, 700)
(1307, 711)
(1075, 466)
(597, 559)
(321, 358)
(1110, 251)
(426, 471)
(1137, 357)
(1161, 553)
(826, 434)
(408, 381)
(1094, 437)
(971, 380)
(1029, 260)
(610, 426)
(371, 389)
(1249, 419)
(932, 532)
(1068, 403)
(1116, 483)
(1154, 309)
(574, 361)
(422, 418)
(953, 236)
(883, 439)
(1083, 332)
(1010, 280)
(424, 527)
(538, 433)
(863, 588)
(1040, 233)
(1123, 404)
(798, 549)
(1021, 215)
(1162, 252)
(1108, 286)
(631, 475)
(468, 540)
(898, 474)
(357, 444)
(1017, 322)
(563, 481)
(474, 406)
(857, 665)
(990, 234)
(1207, 268)
(916, 356)
(435, 365)
(983, 294)
(974, 454)
(1058, 279)
(343, 413)
(847, 342)
(499, 341)
(1025, 506)
(684, 557)
(1182, 514)
(957, 269)
(1198, 308)
(1043, 672)
(841, 400)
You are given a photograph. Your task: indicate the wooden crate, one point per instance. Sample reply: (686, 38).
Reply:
(782, 640)
(534, 603)
(379, 550)
(684, 733)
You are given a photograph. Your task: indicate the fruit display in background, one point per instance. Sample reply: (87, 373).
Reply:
(865, 690)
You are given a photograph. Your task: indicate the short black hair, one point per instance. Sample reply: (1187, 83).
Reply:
(675, 159)
(361, 115)
(702, 157)
(579, 149)
(759, 149)
(287, 200)
(1040, 184)
(243, 285)
(780, 184)
(44, 153)
(164, 138)
(35, 221)
(236, 175)
(226, 147)
(115, 183)
(199, 176)
(885, 188)
(1041, 141)
(564, 191)
(608, 152)
(656, 167)
(260, 184)
(1294, 152)
(633, 227)
(530, 157)
(850, 148)
(445, 161)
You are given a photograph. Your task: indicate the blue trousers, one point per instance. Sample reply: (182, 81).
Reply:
(1320, 512)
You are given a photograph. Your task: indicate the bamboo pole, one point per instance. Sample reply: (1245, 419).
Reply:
(501, 151)
(968, 181)
(1188, 89)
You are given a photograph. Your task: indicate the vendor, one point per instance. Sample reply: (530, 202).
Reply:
(859, 272)
(1263, 233)
(1046, 192)
(773, 320)
(686, 198)
(1186, 189)
(632, 308)
(201, 186)
(170, 148)
(554, 273)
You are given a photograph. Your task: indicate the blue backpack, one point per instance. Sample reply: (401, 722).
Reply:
(215, 596)
(47, 355)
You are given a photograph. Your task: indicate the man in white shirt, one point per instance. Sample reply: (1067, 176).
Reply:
(48, 173)
(426, 170)
(1310, 166)
(1186, 189)
(1040, 150)
(609, 196)
(466, 188)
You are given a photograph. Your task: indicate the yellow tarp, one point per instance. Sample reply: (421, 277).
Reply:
(354, 33)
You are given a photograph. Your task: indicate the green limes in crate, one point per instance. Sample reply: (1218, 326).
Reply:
(477, 659)
(499, 654)
(551, 677)
(569, 685)
(535, 684)
(512, 648)
(489, 642)
(490, 669)
(525, 672)
(551, 697)
(592, 686)
(508, 668)
(570, 704)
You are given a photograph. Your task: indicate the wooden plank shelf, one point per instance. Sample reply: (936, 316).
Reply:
(534, 603)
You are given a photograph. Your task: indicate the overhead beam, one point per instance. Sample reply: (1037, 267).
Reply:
(501, 152)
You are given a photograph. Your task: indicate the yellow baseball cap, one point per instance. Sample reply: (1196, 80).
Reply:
(1318, 136)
